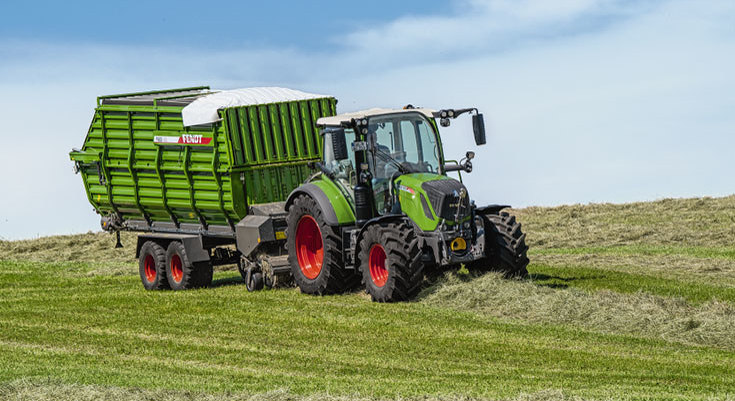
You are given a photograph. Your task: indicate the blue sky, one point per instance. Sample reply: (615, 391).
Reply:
(222, 25)
(585, 100)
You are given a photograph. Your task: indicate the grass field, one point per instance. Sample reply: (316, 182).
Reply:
(632, 301)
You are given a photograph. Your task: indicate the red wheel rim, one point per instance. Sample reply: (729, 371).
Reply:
(177, 273)
(149, 267)
(376, 263)
(309, 247)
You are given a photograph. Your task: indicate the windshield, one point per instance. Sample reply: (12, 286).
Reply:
(402, 142)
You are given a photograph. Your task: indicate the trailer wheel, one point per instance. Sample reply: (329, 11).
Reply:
(152, 266)
(181, 273)
(315, 251)
(390, 261)
(505, 246)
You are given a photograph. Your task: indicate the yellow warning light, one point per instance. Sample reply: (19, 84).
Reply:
(459, 244)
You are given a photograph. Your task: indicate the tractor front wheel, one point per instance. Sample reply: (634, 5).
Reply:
(315, 251)
(390, 261)
(505, 246)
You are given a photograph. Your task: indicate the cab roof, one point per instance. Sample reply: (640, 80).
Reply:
(347, 117)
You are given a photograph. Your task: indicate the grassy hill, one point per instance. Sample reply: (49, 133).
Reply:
(633, 301)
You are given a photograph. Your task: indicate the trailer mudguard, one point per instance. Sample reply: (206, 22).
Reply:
(193, 244)
(337, 211)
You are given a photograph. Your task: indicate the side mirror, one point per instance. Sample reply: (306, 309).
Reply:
(478, 126)
(339, 144)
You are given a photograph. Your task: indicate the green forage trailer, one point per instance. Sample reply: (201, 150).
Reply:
(187, 166)
(271, 179)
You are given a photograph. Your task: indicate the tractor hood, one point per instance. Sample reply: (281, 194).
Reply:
(429, 199)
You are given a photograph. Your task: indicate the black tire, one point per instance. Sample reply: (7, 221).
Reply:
(401, 258)
(254, 281)
(152, 266)
(505, 247)
(321, 251)
(181, 273)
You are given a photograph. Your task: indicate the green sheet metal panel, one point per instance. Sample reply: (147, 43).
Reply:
(269, 135)
(140, 163)
(143, 180)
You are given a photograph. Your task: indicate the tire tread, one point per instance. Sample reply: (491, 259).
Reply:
(507, 244)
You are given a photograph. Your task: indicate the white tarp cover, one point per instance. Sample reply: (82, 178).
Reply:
(204, 109)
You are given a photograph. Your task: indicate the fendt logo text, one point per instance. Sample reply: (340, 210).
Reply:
(193, 139)
(184, 139)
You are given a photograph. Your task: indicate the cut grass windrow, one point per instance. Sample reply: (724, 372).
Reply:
(696, 222)
(711, 323)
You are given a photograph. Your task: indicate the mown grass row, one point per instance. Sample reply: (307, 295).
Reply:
(48, 390)
(697, 222)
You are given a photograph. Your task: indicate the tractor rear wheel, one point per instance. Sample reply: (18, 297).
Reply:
(390, 261)
(152, 266)
(505, 246)
(315, 251)
(183, 274)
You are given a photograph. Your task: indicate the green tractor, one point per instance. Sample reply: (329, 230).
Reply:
(381, 210)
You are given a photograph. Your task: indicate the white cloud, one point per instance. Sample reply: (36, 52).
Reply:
(638, 110)
(482, 26)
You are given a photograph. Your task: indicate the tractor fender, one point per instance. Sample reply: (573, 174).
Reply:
(316, 193)
(373, 221)
(490, 209)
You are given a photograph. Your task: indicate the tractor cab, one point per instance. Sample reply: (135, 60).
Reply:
(377, 149)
